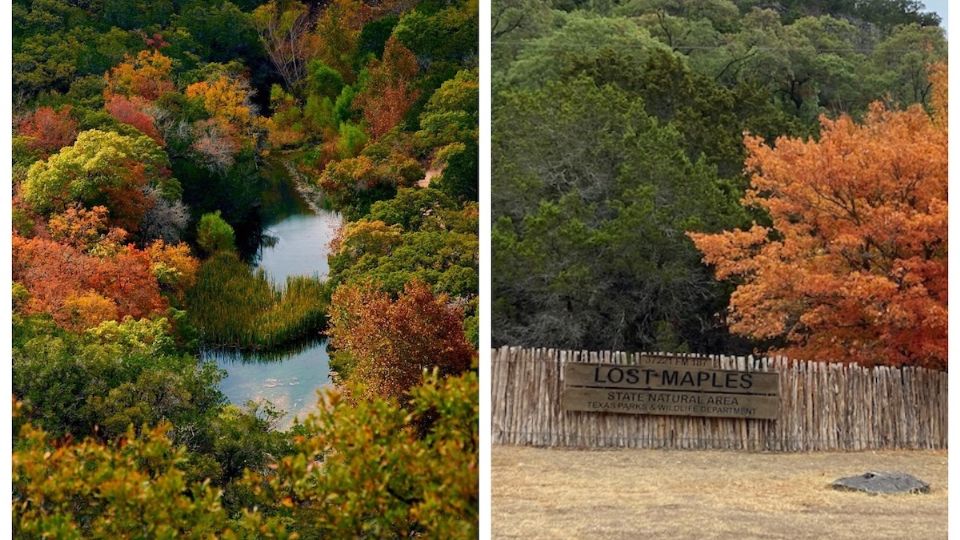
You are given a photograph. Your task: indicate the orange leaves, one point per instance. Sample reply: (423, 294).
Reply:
(392, 342)
(83, 274)
(146, 76)
(938, 82)
(48, 130)
(398, 61)
(735, 249)
(86, 310)
(174, 267)
(86, 230)
(233, 124)
(224, 97)
(854, 267)
(390, 92)
(75, 286)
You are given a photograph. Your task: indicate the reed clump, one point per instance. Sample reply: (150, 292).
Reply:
(233, 306)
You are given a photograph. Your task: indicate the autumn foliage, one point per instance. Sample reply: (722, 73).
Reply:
(126, 163)
(147, 76)
(62, 279)
(83, 272)
(854, 266)
(391, 342)
(47, 130)
(131, 111)
(93, 490)
(390, 92)
(429, 448)
(232, 124)
(174, 266)
(86, 230)
(224, 97)
(99, 168)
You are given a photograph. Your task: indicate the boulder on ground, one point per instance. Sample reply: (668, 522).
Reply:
(882, 482)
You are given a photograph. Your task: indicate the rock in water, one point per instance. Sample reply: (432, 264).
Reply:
(882, 482)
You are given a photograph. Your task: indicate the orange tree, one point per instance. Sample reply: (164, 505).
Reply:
(854, 264)
(389, 343)
(389, 93)
(46, 130)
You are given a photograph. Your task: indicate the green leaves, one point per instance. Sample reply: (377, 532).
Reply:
(138, 488)
(595, 195)
(214, 235)
(373, 469)
(582, 37)
(101, 168)
(114, 374)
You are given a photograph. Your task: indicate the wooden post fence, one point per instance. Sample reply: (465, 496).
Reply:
(823, 406)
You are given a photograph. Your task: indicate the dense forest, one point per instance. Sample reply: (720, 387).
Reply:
(721, 176)
(146, 135)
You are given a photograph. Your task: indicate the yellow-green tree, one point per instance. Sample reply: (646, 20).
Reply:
(376, 470)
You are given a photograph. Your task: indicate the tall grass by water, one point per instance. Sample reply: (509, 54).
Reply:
(234, 306)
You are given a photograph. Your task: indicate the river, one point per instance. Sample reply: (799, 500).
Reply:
(295, 241)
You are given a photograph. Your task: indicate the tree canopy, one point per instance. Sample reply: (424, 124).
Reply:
(854, 263)
(152, 140)
(618, 128)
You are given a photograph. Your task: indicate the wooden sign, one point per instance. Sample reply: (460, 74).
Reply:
(654, 388)
(685, 361)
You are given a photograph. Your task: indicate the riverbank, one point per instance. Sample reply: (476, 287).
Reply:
(559, 493)
(282, 166)
(311, 194)
(262, 320)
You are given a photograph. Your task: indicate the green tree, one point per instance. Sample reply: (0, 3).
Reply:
(591, 197)
(437, 31)
(323, 80)
(111, 376)
(351, 140)
(450, 123)
(581, 38)
(900, 63)
(445, 260)
(138, 488)
(334, 483)
(102, 168)
(214, 234)
(221, 31)
(412, 208)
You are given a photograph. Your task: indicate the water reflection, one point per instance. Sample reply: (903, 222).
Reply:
(290, 383)
(294, 242)
(298, 246)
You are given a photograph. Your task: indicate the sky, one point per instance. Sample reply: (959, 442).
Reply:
(938, 6)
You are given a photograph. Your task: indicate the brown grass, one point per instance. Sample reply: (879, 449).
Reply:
(650, 494)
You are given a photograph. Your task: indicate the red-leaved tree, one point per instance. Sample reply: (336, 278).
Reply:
(132, 111)
(47, 130)
(390, 342)
(854, 266)
(63, 280)
(390, 92)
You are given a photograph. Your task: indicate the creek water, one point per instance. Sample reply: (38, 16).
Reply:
(294, 242)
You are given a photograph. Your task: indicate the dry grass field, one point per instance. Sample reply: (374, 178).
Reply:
(652, 494)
